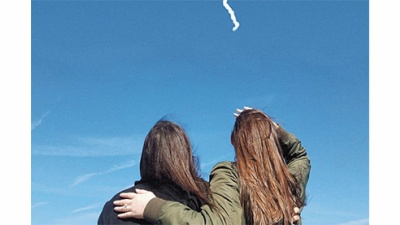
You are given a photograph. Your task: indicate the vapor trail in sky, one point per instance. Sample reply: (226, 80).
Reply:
(232, 13)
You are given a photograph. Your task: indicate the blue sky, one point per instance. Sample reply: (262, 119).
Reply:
(103, 72)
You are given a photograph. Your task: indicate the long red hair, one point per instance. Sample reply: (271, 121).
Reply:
(268, 191)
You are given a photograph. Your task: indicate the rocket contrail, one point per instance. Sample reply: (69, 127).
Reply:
(232, 13)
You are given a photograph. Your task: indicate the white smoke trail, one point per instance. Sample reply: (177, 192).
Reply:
(232, 13)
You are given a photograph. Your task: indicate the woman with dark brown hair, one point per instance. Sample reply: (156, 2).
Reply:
(264, 186)
(167, 168)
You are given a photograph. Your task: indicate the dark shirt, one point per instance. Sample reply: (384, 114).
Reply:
(162, 190)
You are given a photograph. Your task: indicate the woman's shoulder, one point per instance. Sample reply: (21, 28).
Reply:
(224, 168)
(224, 164)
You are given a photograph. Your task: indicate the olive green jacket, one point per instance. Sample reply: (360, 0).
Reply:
(224, 185)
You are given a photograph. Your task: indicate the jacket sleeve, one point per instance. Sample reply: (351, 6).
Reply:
(296, 158)
(225, 193)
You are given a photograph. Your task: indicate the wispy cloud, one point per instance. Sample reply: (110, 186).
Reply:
(85, 177)
(38, 204)
(36, 123)
(114, 168)
(211, 163)
(123, 165)
(89, 146)
(357, 222)
(90, 207)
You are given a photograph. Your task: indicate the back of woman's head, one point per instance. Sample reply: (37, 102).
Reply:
(268, 191)
(167, 159)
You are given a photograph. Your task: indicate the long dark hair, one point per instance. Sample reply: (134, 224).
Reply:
(167, 158)
(268, 191)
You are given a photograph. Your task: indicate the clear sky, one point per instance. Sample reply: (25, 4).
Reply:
(103, 72)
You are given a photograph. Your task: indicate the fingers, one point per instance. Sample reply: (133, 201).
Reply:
(122, 205)
(241, 110)
(296, 217)
(122, 202)
(129, 214)
(122, 208)
(127, 194)
(125, 215)
(130, 208)
(131, 204)
(141, 191)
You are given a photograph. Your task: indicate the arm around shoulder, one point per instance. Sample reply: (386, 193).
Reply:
(225, 194)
